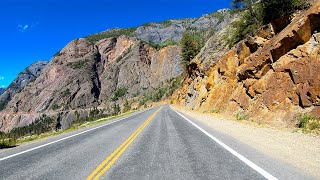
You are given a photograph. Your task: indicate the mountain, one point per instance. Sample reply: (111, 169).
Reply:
(22, 80)
(2, 90)
(270, 78)
(107, 69)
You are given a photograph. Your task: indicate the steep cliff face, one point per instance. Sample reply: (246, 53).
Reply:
(23, 79)
(85, 75)
(269, 78)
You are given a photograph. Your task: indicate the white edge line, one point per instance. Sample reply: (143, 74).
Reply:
(53, 142)
(239, 156)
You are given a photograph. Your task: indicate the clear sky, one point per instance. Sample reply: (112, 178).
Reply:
(34, 30)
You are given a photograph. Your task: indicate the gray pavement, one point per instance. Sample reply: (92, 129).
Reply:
(169, 147)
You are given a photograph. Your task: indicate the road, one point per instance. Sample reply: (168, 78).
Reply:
(158, 143)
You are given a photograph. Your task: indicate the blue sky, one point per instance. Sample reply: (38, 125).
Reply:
(35, 29)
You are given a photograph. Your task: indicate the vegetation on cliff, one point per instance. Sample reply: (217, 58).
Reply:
(253, 14)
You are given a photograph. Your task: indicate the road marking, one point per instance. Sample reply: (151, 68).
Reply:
(239, 156)
(47, 144)
(114, 156)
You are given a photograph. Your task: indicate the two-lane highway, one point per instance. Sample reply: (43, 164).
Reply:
(155, 144)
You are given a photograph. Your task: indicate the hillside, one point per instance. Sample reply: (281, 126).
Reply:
(270, 78)
(28, 75)
(108, 71)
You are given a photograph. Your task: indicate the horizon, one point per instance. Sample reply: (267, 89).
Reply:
(35, 31)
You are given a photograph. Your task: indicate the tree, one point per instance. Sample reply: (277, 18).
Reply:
(271, 10)
(191, 44)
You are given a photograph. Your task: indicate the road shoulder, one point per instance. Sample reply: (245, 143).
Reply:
(296, 149)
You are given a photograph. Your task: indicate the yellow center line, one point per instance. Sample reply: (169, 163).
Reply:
(111, 159)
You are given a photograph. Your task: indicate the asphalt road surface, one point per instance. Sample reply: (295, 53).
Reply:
(157, 143)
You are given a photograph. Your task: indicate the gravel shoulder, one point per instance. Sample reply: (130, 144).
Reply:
(301, 151)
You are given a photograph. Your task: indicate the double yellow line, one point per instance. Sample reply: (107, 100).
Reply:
(112, 158)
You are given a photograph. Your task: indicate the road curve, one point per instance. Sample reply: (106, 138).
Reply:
(154, 144)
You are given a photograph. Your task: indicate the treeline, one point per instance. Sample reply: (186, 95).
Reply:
(43, 124)
(46, 124)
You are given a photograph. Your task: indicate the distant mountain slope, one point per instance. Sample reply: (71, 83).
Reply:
(106, 69)
(23, 79)
(171, 29)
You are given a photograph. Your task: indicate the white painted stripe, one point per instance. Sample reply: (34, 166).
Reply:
(239, 156)
(53, 142)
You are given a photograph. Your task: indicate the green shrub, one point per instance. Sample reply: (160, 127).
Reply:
(215, 111)
(55, 107)
(191, 44)
(314, 125)
(304, 119)
(119, 93)
(241, 117)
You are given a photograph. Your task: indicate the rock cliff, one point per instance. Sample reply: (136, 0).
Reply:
(23, 79)
(269, 78)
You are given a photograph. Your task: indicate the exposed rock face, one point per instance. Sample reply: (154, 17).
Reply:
(174, 29)
(84, 75)
(270, 79)
(23, 79)
(2, 90)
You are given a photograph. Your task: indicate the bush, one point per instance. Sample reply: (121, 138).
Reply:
(308, 122)
(241, 117)
(119, 93)
(191, 44)
(303, 120)
(270, 10)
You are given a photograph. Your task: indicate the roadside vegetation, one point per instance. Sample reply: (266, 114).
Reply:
(166, 91)
(119, 93)
(253, 14)
(46, 126)
(308, 123)
(241, 117)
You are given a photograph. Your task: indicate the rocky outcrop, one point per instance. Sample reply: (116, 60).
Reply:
(85, 75)
(22, 80)
(270, 78)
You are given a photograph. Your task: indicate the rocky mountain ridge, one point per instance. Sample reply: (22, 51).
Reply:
(22, 80)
